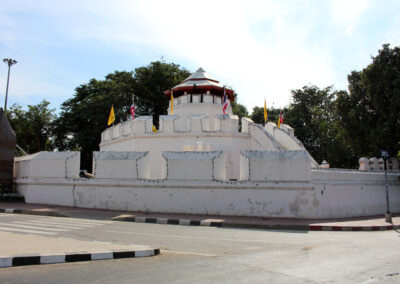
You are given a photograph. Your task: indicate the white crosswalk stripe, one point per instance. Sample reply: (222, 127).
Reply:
(50, 225)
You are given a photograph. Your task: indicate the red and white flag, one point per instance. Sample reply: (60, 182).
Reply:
(225, 104)
(280, 119)
(133, 108)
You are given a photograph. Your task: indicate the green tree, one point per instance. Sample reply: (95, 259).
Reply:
(312, 114)
(85, 116)
(151, 81)
(239, 110)
(370, 115)
(273, 113)
(32, 126)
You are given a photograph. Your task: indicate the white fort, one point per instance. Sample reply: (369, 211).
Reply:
(201, 162)
(197, 130)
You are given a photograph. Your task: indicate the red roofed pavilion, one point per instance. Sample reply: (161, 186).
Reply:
(199, 83)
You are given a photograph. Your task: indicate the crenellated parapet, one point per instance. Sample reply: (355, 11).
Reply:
(139, 126)
(172, 124)
(375, 164)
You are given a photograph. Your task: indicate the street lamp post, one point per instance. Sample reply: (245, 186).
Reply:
(10, 62)
(388, 215)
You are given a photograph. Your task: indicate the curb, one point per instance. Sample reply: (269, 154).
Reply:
(9, 261)
(223, 224)
(32, 212)
(217, 223)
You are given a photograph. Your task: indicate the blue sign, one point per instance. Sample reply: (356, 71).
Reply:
(384, 154)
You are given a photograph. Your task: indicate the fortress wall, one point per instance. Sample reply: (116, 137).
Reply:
(230, 143)
(275, 166)
(35, 174)
(192, 184)
(195, 165)
(48, 164)
(348, 193)
(121, 165)
(315, 199)
(260, 138)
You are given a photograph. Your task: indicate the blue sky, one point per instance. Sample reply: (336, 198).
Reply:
(260, 48)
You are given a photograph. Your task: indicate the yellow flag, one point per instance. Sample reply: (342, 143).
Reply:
(265, 111)
(280, 119)
(111, 117)
(172, 103)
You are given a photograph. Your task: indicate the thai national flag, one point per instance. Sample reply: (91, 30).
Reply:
(133, 108)
(225, 104)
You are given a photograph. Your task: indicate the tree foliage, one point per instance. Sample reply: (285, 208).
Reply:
(273, 113)
(312, 113)
(370, 115)
(239, 109)
(32, 126)
(151, 81)
(85, 116)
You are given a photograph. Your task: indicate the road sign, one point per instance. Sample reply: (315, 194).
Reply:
(384, 154)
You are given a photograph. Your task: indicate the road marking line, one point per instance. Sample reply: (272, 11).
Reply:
(188, 253)
(62, 222)
(26, 231)
(66, 226)
(32, 227)
(80, 221)
(195, 237)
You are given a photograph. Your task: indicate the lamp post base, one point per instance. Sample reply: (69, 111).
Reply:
(388, 217)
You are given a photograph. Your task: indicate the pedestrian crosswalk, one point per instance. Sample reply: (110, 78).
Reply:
(49, 225)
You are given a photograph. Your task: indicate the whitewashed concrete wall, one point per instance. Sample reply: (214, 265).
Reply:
(210, 106)
(348, 193)
(195, 165)
(227, 123)
(260, 138)
(329, 194)
(48, 164)
(121, 165)
(167, 123)
(275, 166)
(159, 142)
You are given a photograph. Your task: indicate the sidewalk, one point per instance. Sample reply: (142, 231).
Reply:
(376, 223)
(29, 249)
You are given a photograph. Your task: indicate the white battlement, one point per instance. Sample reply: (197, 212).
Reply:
(194, 165)
(275, 165)
(167, 123)
(121, 165)
(374, 164)
(227, 123)
(139, 126)
(48, 164)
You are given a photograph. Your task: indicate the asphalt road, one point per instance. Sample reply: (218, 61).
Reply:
(217, 255)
